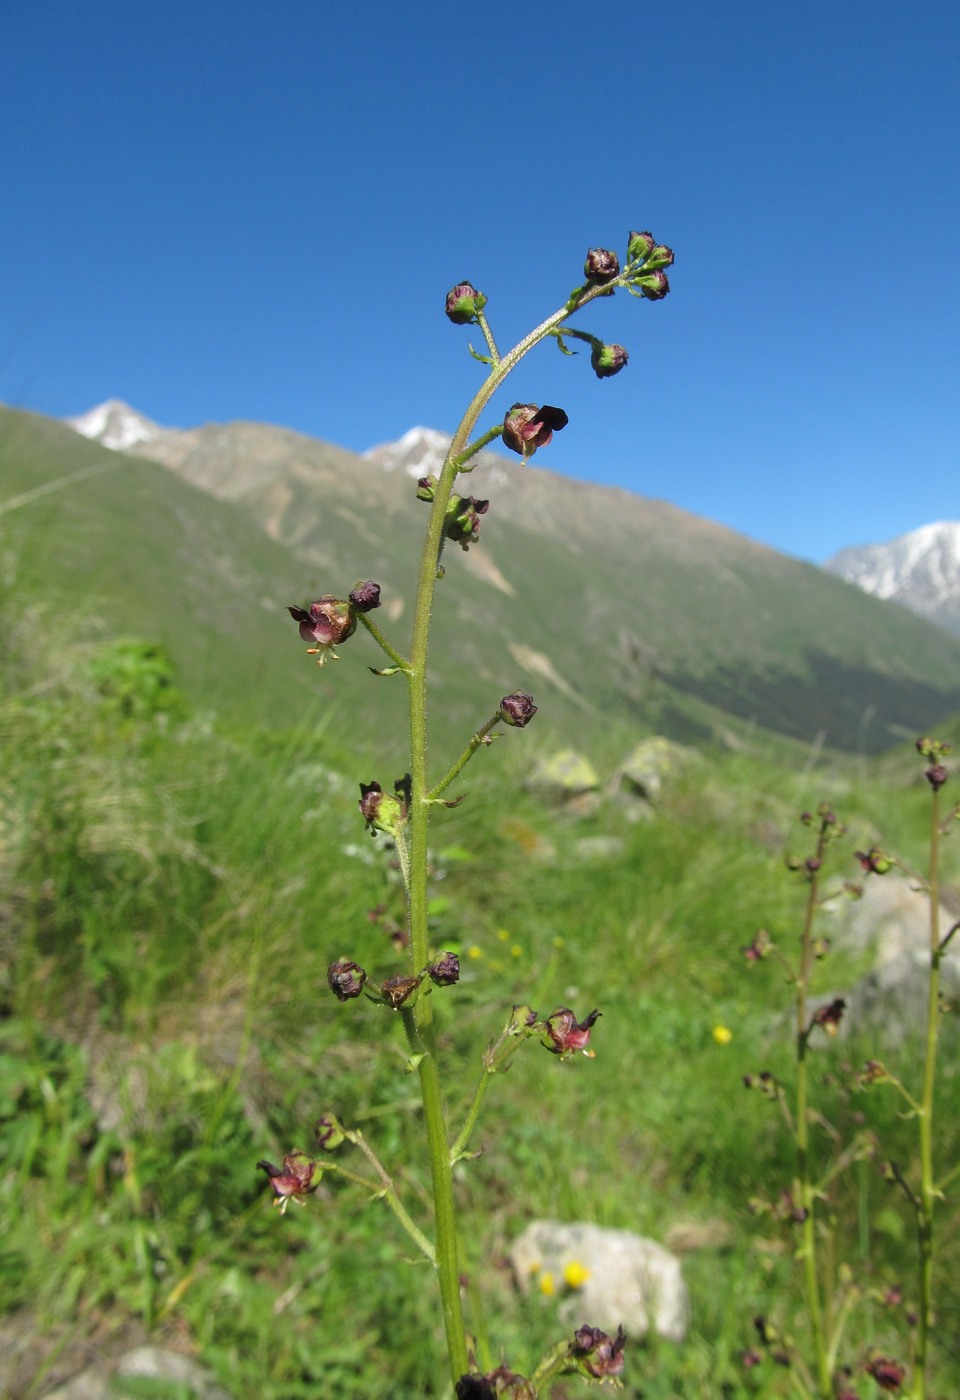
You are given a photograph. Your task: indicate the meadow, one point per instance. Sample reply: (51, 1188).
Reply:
(173, 891)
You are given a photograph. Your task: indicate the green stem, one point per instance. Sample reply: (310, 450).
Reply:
(461, 763)
(419, 1021)
(459, 1148)
(802, 1124)
(382, 642)
(925, 1117)
(387, 1191)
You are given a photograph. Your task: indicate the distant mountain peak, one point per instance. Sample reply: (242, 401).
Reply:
(420, 452)
(920, 570)
(116, 425)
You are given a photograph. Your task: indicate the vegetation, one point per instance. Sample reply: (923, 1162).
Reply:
(177, 881)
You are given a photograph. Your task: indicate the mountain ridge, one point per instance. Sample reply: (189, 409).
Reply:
(919, 569)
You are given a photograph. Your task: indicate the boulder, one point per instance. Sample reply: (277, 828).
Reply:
(568, 780)
(104, 1380)
(603, 1278)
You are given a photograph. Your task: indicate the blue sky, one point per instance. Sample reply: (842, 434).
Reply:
(226, 210)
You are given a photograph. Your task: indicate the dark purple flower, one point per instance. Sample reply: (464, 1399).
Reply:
(527, 427)
(474, 1386)
(608, 360)
(601, 266)
(563, 1034)
(329, 1132)
(445, 970)
(326, 623)
(875, 861)
(366, 596)
(294, 1180)
(517, 709)
(829, 1017)
(463, 302)
(346, 979)
(598, 1354)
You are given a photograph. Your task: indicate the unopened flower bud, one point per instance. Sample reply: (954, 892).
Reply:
(346, 979)
(444, 970)
(659, 256)
(427, 489)
(608, 360)
(601, 266)
(527, 427)
(564, 1035)
(934, 749)
(597, 1354)
(397, 990)
(329, 1132)
(297, 1177)
(653, 285)
(365, 597)
(328, 622)
(936, 775)
(463, 303)
(639, 246)
(759, 948)
(517, 709)
(473, 1385)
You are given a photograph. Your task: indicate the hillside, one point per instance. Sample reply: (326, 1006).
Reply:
(600, 601)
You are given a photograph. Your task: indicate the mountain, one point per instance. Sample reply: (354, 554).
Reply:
(115, 425)
(608, 606)
(920, 570)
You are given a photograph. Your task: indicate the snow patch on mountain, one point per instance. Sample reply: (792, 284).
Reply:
(116, 425)
(920, 570)
(420, 452)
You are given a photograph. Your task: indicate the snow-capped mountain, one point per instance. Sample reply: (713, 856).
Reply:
(116, 425)
(921, 570)
(421, 452)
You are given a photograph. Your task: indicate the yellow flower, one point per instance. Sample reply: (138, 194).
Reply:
(474, 952)
(547, 1285)
(575, 1275)
(722, 1035)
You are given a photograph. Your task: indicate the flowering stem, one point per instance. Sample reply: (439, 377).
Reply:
(419, 1021)
(459, 1148)
(802, 1124)
(927, 1194)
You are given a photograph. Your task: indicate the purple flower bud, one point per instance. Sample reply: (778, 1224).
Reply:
(936, 775)
(427, 489)
(889, 1375)
(462, 519)
(601, 266)
(639, 246)
(517, 709)
(396, 990)
(654, 285)
(463, 303)
(564, 1035)
(597, 1354)
(608, 360)
(933, 749)
(445, 970)
(749, 1359)
(527, 427)
(474, 1386)
(295, 1179)
(759, 948)
(346, 979)
(328, 622)
(365, 597)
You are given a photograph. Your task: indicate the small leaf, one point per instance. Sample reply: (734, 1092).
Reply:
(484, 359)
(562, 348)
(384, 670)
